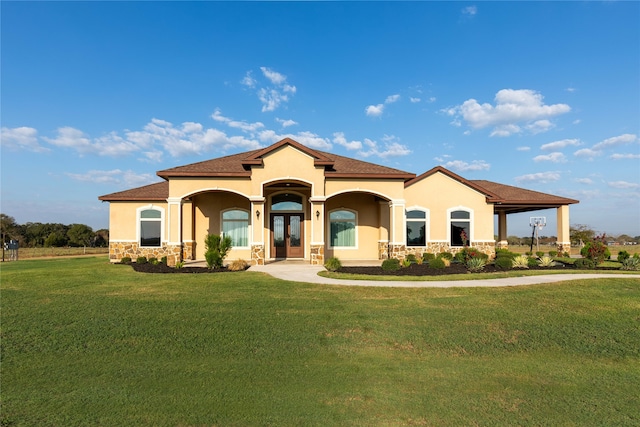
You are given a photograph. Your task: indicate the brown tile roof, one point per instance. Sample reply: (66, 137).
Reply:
(239, 164)
(508, 194)
(154, 192)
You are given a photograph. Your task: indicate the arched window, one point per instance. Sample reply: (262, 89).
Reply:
(286, 202)
(150, 227)
(235, 224)
(460, 228)
(416, 228)
(342, 229)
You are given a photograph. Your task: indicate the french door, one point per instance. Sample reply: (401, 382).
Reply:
(287, 235)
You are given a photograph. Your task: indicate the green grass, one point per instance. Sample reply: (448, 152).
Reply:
(85, 343)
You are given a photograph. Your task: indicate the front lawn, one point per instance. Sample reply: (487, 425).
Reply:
(86, 343)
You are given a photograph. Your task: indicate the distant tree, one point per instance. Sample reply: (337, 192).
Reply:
(56, 239)
(80, 235)
(9, 228)
(514, 240)
(101, 238)
(581, 234)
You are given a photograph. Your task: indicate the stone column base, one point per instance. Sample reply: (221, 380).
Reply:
(188, 250)
(317, 254)
(257, 254)
(397, 251)
(383, 250)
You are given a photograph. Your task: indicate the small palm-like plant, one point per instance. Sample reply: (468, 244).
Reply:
(521, 261)
(546, 261)
(476, 264)
(631, 263)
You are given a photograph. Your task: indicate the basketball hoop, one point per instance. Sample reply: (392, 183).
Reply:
(537, 223)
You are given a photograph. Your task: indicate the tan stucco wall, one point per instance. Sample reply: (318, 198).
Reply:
(439, 193)
(208, 219)
(123, 224)
(367, 229)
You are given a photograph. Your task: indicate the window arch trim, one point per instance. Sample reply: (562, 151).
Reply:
(150, 226)
(425, 220)
(454, 239)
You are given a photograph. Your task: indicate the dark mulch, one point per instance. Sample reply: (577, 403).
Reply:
(424, 270)
(163, 268)
(412, 270)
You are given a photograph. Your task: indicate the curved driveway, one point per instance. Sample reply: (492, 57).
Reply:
(309, 274)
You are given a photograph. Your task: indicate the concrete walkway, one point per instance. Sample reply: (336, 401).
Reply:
(302, 272)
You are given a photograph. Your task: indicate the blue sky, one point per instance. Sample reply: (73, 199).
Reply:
(97, 97)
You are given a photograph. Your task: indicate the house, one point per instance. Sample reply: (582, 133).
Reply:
(290, 201)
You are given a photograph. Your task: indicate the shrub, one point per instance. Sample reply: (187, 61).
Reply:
(419, 260)
(476, 264)
(546, 261)
(445, 255)
(238, 265)
(566, 254)
(153, 261)
(596, 250)
(528, 253)
(521, 261)
(405, 263)
(631, 263)
(216, 249)
(179, 264)
(532, 261)
(125, 260)
(391, 264)
(333, 264)
(623, 255)
(468, 253)
(553, 254)
(539, 254)
(141, 260)
(437, 263)
(585, 264)
(163, 260)
(411, 258)
(427, 256)
(504, 262)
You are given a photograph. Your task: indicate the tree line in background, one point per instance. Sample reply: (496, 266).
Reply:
(36, 234)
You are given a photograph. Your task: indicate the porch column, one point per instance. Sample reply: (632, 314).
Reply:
(257, 215)
(384, 225)
(188, 239)
(562, 220)
(502, 230)
(173, 249)
(397, 229)
(317, 221)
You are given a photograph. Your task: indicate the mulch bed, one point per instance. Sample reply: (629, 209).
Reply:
(412, 270)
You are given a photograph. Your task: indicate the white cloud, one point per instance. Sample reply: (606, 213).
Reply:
(470, 10)
(374, 110)
(559, 145)
(243, 126)
(623, 184)
(615, 141)
(339, 138)
(624, 156)
(378, 109)
(523, 148)
(275, 92)
(587, 153)
(116, 176)
(309, 139)
(432, 99)
(555, 157)
(69, 137)
(21, 138)
(512, 109)
(392, 148)
(286, 123)
(391, 99)
(461, 166)
(587, 181)
(414, 100)
(540, 177)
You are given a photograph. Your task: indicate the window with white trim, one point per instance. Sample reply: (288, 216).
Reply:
(342, 229)
(150, 228)
(460, 228)
(416, 228)
(235, 224)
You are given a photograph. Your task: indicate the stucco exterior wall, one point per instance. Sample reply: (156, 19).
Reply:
(367, 211)
(440, 194)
